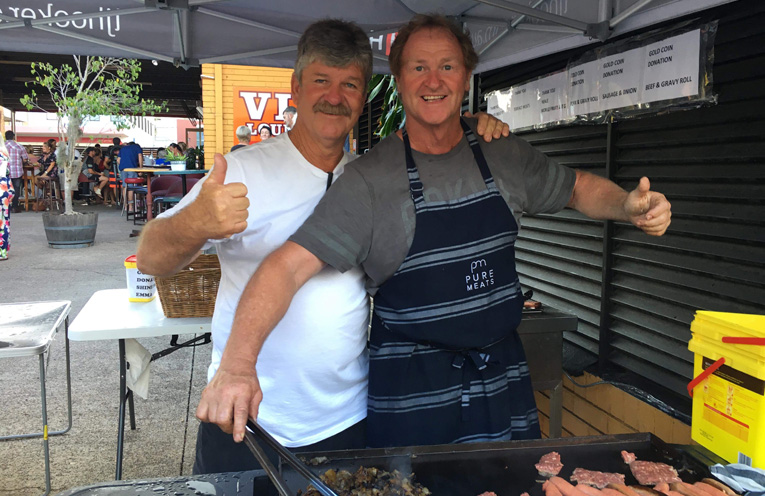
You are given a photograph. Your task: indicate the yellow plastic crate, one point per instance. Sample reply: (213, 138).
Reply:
(729, 405)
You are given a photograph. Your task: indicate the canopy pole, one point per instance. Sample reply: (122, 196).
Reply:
(520, 19)
(631, 10)
(119, 46)
(522, 9)
(547, 29)
(180, 32)
(605, 10)
(247, 22)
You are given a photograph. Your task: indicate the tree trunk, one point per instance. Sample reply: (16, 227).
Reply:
(71, 167)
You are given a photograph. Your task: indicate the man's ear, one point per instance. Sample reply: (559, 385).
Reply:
(295, 88)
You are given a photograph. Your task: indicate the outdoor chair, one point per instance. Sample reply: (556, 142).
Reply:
(173, 195)
(85, 188)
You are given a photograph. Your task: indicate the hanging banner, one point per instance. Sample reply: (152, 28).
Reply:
(614, 80)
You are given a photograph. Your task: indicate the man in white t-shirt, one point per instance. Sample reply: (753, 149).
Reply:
(313, 368)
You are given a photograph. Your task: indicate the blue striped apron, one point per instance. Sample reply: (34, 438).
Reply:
(446, 362)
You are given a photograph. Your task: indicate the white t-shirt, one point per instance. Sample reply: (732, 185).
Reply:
(313, 367)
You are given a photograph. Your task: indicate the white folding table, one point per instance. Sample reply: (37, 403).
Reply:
(28, 329)
(109, 314)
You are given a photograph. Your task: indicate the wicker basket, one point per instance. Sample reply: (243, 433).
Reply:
(192, 291)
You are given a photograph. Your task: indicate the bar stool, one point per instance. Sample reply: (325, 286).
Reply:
(52, 194)
(137, 186)
(28, 329)
(28, 185)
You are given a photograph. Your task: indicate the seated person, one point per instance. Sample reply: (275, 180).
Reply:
(91, 167)
(48, 168)
(161, 157)
(104, 189)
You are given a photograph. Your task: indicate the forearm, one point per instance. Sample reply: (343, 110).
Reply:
(264, 302)
(598, 198)
(167, 245)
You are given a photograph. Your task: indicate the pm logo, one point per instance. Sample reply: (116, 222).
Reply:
(481, 276)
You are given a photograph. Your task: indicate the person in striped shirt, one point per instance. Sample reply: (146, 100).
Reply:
(17, 159)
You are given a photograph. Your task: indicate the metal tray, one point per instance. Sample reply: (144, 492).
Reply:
(507, 468)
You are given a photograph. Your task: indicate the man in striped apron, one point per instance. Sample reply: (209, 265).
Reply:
(431, 216)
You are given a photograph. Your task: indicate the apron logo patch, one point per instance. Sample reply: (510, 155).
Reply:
(480, 275)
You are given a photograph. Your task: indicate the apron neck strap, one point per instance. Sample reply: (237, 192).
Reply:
(415, 184)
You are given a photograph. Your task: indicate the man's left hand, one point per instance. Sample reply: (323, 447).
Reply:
(489, 127)
(648, 210)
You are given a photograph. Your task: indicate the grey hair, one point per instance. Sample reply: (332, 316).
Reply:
(335, 43)
(243, 133)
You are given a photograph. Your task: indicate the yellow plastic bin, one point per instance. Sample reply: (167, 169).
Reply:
(141, 287)
(729, 405)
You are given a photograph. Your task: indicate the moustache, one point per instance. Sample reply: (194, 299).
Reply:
(328, 108)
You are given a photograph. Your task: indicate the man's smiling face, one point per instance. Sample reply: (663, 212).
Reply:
(433, 79)
(329, 100)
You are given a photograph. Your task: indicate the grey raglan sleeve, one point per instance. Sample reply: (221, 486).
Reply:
(339, 232)
(548, 184)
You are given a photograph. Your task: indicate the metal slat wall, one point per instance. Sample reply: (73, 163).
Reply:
(560, 256)
(635, 295)
(710, 162)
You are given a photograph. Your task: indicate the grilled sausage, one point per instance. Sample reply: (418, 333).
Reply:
(719, 485)
(686, 489)
(588, 490)
(565, 487)
(550, 489)
(646, 491)
(625, 490)
(708, 489)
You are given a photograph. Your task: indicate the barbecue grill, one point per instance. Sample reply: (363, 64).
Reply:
(506, 468)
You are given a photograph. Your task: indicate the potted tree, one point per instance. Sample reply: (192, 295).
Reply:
(91, 87)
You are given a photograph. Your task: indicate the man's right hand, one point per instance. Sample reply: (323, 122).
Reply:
(220, 210)
(230, 399)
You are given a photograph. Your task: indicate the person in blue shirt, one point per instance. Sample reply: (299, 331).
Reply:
(131, 156)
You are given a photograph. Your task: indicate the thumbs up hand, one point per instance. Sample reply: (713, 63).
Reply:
(220, 209)
(648, 210)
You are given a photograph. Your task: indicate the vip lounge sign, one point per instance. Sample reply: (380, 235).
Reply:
(254, 107)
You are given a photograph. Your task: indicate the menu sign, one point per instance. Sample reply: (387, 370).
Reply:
(583, 89)
(664, 70)
(671, 70)
(551, 93)
(620, 78)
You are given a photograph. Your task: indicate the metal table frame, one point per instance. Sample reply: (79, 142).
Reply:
(542, 336)
(36, 341)
(109, 315)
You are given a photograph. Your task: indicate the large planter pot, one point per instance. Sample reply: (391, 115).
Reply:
(70, 231)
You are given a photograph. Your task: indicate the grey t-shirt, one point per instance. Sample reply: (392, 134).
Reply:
(367, 217)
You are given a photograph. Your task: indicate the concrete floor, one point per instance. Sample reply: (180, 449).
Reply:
(163, 443)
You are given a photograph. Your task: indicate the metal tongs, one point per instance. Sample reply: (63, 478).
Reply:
(251, 430)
